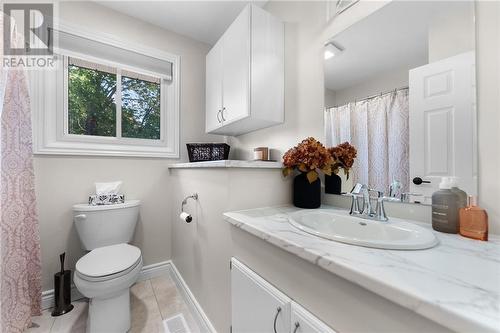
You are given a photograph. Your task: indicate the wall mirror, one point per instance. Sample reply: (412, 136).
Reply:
(400, 87)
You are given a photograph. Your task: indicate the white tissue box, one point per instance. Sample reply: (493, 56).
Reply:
(106, 199)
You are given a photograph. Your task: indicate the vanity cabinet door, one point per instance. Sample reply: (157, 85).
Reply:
(213, 88)
(236, 69)
(302, 321)
(256, 305)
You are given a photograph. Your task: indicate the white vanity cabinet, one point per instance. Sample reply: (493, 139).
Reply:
(245, 75)
(302, 321)
(257, 306)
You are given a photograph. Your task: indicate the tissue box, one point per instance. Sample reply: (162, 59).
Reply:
(106, 199)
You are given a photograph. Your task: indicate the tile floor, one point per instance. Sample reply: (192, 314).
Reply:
(152, 301)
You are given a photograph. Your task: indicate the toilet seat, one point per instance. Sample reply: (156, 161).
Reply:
(108, 262)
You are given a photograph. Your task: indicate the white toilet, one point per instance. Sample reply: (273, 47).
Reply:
(112, 266)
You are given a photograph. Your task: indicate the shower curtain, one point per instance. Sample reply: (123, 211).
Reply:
(379, 129)
(20, 268)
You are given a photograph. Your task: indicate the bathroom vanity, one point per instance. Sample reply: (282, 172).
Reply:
(451, 286)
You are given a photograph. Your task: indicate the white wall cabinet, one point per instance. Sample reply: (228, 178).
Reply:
(257, 306)
(245, 75)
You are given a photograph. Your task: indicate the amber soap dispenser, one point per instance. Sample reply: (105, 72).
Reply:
(473, 221)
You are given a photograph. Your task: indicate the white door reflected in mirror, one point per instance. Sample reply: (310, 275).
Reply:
(442, 114)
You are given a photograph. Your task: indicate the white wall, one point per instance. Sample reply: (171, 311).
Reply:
(201, 249)
(329, 98)
(384, 82)
(488, 84)
(451, 35)
(64, 181)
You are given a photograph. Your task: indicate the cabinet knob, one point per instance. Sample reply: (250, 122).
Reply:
(218, 118)
(297, 325)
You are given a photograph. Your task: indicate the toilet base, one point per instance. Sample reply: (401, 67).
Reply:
(109, 315)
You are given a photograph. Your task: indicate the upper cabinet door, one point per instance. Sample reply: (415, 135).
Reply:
(213, 88)
(304, 322)
(236, 69)
(245, 75)
(256, 305)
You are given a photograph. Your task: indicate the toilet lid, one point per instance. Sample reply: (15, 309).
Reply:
(108, 260)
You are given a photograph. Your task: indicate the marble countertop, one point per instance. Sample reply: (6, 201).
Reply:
(228, 164)
(456, 283)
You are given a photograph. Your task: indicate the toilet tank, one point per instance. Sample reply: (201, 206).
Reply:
(105, 225)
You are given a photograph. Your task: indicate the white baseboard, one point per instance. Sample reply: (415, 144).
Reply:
(188, 295)
(155, 270)
(147, 272)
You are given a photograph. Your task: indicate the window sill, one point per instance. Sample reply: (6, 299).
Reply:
(61, 148)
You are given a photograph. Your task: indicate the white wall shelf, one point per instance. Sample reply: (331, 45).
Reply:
(228, 164)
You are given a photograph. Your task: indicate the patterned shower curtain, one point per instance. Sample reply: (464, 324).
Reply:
(20, 268)
(379, 129)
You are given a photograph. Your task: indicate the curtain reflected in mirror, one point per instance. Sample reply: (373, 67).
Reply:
(378, 128)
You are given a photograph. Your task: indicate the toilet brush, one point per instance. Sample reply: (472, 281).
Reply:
(62, 290)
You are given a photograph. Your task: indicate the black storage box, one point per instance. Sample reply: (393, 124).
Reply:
(199, 152)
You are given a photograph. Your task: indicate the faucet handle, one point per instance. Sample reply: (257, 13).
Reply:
(357, 189)
(380, 194)
(354, 203)
(395, 188)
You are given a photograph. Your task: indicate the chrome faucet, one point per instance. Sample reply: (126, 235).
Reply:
(366, 212)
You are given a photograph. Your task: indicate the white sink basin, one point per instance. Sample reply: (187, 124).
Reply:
(341, 227)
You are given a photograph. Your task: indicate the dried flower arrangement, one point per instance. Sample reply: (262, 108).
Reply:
(343, 156)
(308, 157)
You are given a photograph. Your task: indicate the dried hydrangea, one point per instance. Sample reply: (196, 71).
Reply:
(308, 157)
(343, 156)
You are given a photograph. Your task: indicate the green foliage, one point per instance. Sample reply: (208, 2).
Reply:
(140, 109)
(92, 106)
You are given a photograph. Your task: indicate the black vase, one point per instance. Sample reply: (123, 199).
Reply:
(305, 194)
(333, 184)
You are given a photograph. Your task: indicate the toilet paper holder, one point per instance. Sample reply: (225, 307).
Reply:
(186, 216)
(192, 196)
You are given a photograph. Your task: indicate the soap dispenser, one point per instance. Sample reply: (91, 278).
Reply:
(474, 221)
(445, 205)
(462, 196)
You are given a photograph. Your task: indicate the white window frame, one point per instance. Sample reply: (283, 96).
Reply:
(49, 96)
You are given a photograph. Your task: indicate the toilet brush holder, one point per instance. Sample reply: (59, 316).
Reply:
(62, 290)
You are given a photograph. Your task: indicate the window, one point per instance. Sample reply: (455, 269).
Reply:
(93, 90)
(107, 98)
